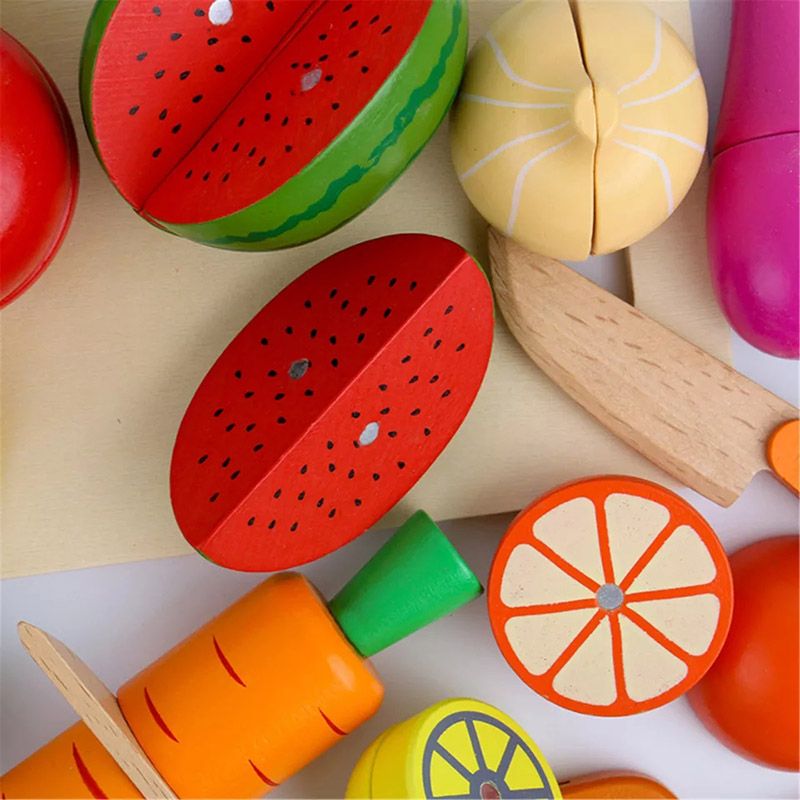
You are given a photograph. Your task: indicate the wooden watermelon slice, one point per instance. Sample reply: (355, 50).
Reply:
(257, 125)
(610, 596)
(332, 402)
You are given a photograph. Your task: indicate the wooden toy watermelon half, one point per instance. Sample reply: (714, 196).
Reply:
(258, 125)
(332, 402)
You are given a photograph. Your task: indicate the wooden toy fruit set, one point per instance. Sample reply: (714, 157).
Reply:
(255, 125)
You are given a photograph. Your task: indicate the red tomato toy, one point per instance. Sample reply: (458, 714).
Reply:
(749, 698)
(39, 166)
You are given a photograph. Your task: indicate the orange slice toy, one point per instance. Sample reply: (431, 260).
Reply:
(610, 596)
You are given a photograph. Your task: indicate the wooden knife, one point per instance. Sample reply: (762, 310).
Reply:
(695, 417)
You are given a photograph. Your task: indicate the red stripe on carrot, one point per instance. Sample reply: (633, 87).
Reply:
(334, 728)
(158, 718)
(261, 774)
(227, 664)
(88, 780)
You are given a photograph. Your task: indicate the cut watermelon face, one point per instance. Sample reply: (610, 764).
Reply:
(273, 126)
(332, 402)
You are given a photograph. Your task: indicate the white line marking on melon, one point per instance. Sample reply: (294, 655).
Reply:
(633, 523)
(220, 12)
(369, 434)
(662, 166)
(520, 181)
(667, 93)
(491, 101)
(690, 622)
(589, 675)
(509, 144)
(530, 578)
(570, 530)
(683, 560)
(653, 64)
(649, 669)
(539, 639)
(666, 135)
(310, 79)
(506, 67)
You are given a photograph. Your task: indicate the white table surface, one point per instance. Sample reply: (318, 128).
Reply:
(119, 618)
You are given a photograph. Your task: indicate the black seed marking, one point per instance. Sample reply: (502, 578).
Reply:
(383, 387)
(364, 70)
(226, 463)
(460, 347)
(159, 74)
(235, 474)
(313, 333)
(356, 444)
(258, 447)
(157, 11)
(289, 330)
(370, 280)
(295, 65)
(240, 122)
(437, 344)
(347, 7)
(270, 5)
(309, 392)
(335, 106)
(280, 396)
(320, 502)
(433, 379)
(212, 41)
(301, 496)
(413, 379)
(250, 427)
(386, 30)
(331, 467)
(448, 310)
(328, 78)
(323, 36)
(197, 98)
(387, 312)
(176, 128)
(405, 359)
(268, 96)
(252, 152)
(184, 75)
(271, 373)
(157, 152)
(230, 427)
(351, 474)
(219, 68)
(392, 282)
(217, 412)
(236, 147)
(226, 177)
(376, 476)
(334, 362)
(428, 332)
(287, 148)
(374, 19)
(238, 374)
(188, 175)
(251, 521)
(332, 513)
(213, 498)
(412, 286)
(175, 36)
(281, 420)
(163, 114)
(198, 12)
(357, 502)
(362, 311)
(329, 445)
(262, 161)
(427, 431)
(271, 524)
(416, 412)
(141, 56)
(446, 393)
(385, 411)
(133, 109)
(293, 528)
(215, 147)
(264, 341)
(352, 54)
(392, 434)
(304, 469)
(355, 414)
(307, 304)
(248, 395)
(206, 176)
(246, 39)
(307, 65)
(360, 337)
(401, 464)
(332, 339)
(353, 24)
(202, 459)
(276, 494)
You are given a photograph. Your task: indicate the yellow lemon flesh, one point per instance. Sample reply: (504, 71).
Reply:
(579, 127)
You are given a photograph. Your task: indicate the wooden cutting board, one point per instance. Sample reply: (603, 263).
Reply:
(101, 357)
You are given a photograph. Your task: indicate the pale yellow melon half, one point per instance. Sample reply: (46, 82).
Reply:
(579, 127)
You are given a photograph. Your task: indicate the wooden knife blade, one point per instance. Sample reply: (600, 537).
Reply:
(695, 417)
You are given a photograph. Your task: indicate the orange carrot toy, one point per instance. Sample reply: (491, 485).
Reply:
(268, 685)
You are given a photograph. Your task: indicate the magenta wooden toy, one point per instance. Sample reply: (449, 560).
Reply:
(753, 195)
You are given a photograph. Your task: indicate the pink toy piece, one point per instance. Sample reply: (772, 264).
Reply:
(753, 241)
(753, 195)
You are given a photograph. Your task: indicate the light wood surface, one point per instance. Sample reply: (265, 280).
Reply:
(102, 356)
(95, 705)
(697, 418)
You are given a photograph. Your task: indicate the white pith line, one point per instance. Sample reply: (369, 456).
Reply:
(506, 67)
(653, 64)
(656, 97)
(491, 101)
(662, 165)
(522, 174)
(511, 143)
(666, 135)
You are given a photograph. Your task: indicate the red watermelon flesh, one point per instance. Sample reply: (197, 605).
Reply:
(279, 82)
(332, 402)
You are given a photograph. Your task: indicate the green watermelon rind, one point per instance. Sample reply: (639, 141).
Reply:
(360, 164)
